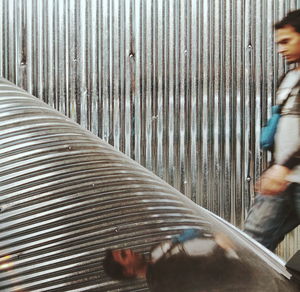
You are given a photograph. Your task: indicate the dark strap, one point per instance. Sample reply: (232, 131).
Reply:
(289, 95)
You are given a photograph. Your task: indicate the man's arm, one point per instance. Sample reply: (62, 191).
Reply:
(274, 180)
(294, 160)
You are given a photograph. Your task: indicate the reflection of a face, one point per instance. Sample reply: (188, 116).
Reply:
(128, 259)
(288, 40)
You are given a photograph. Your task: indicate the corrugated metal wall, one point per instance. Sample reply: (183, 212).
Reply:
(180, 86)
(67, 196)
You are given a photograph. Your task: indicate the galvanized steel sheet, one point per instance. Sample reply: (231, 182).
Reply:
(67, 196)
(182, 87)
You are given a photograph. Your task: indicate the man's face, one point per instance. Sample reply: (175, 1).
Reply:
(130, 260)
(288, 40)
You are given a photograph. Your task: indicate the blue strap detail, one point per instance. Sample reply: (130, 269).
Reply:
(189, 234)
(268, 132)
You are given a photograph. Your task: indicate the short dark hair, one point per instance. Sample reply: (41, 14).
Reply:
(292, 19)
(112, 268)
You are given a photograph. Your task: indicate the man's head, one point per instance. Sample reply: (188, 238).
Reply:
(124, 264)
(288, 36)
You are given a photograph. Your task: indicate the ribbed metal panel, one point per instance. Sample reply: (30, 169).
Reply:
(180, 86)
(67, 196)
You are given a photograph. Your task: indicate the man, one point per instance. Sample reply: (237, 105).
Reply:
(276, 210)
(195, 261)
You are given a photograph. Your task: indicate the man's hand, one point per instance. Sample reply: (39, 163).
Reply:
(273, 181)
(224, 242)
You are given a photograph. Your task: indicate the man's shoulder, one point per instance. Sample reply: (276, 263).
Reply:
(288, 86)
(198, 246)
(289, 79)
(177, 243)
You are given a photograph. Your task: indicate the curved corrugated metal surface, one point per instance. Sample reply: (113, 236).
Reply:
(181, 86)
(66, 196)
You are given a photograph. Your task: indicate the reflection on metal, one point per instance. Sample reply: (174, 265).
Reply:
(5, 263)
(182, 87)
(66, 196)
